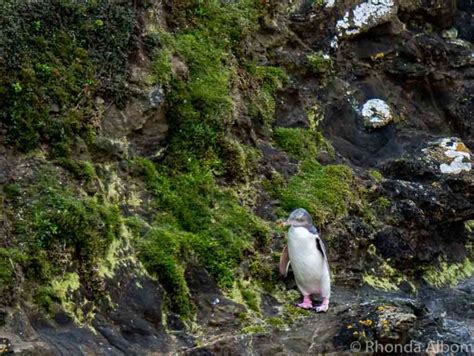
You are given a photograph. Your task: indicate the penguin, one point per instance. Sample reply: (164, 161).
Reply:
(307, 255)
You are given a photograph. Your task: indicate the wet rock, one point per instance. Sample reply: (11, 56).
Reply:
(274, 160)
(214, 309)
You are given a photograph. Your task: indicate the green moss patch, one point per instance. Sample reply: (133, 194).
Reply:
(55, 57)
(59, 230)
(299, 143)
(327, 192)
(196, 219)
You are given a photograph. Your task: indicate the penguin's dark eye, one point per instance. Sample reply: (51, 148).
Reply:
(300, 218)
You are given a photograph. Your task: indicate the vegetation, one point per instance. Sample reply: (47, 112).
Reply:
(319, 63)
(448, 274)
(60, 54)
(202, 107)
(299, 143)
(325, 191)
(196, 219)
(58, 229)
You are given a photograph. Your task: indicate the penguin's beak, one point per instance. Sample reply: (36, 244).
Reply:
(283, 223)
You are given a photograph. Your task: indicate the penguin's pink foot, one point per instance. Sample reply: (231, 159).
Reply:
(307, 303)
(323, 307)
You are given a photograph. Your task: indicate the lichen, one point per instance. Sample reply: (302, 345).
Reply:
(383, 283)
(376, 113)
(448, 274)
(254, 329)
(365, 16)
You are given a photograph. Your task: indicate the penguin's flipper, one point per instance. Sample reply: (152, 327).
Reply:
(320, 247)
(284, 262)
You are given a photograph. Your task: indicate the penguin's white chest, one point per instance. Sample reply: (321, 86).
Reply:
(306, 259)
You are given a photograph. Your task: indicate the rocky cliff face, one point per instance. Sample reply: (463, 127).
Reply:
(148, 149)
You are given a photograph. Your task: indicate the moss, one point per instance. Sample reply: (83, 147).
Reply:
(83, 170)
(162, 68)
(383, 283)
(448, 274)
(292, 313)
(56, 227)
(382, 204)
(239, 160)
(65, 285)
(327, 192)
(469, 225)
(319, 63)
(10, 258)
(276, 322)
(55, 67)
(262, 84)
(376, 175)
(45, 298)
(12, 190)
(160, 251)
(299, 143)
(250, 298)
(254, 329)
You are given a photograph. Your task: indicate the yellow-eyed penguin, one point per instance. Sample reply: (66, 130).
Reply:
(308, 258)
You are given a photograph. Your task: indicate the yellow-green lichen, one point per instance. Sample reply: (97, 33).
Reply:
(254, 329)
(276, 322)
(376, 175)
(383, 283)
(63, 289)
(448, 274)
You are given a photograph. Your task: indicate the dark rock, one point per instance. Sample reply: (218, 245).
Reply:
(276, 160)
(289, 111)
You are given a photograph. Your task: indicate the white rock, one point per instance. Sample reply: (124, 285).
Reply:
(365, 16)
(456, 166)
(457, 155)
(329, 3)
(376, 113)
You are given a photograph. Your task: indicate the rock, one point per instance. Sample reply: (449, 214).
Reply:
(450, 154)
(5, 346)
(450, 33)
(393, 324)
(112, 147)
(376, 113)
(289, 111)
(329, 3)
(179, 68)
(365, 16)
(155, 96)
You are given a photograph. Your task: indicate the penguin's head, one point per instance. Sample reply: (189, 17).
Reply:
(299, 217)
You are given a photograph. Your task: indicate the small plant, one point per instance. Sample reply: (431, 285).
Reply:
(319, 63)
(17, 88)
